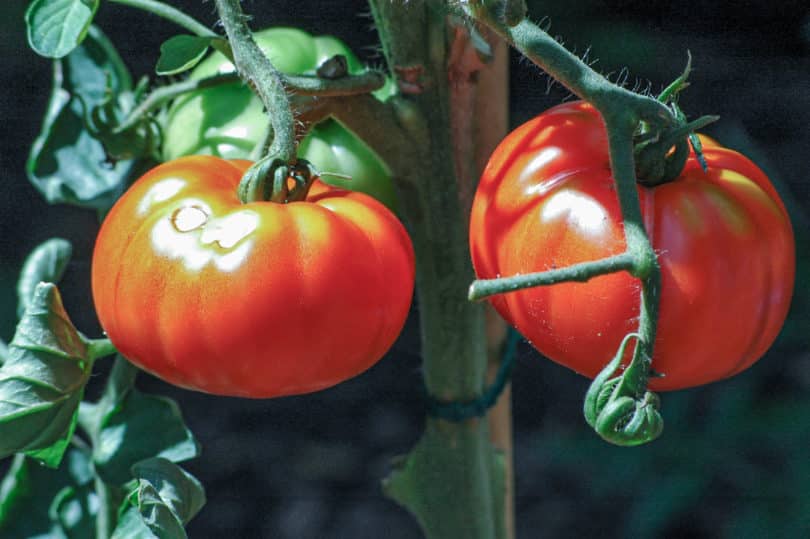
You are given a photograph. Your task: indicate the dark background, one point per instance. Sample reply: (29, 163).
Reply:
(733, 460)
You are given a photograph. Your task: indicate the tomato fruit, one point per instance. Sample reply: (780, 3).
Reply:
(724, 240)
(252, 300)
(228, 120)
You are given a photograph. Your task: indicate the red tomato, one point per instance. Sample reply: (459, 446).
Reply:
(250, 300)
(724, 240)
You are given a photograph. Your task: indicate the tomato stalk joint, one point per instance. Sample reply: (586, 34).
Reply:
(271, 179)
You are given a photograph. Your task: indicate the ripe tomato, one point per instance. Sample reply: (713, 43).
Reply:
(724, 240)
(251, 300)
(228, 120)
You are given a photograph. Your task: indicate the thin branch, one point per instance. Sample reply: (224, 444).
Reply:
(169, 13)
(582, 272)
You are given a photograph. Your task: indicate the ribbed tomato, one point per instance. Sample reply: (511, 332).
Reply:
(253, 300)
(724, 240)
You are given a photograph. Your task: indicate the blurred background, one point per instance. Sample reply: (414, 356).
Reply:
(733, 460)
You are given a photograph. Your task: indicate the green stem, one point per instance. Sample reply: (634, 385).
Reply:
(452, 481)
(164, 94)
(483, 288)
(106, 516)
(645, 262)
(349, 85)
(121, 380)
(630, 415)
(98, 348)
(571, 71)
(169, 13)
(257, 70)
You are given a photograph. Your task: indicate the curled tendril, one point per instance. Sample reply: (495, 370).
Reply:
(104, 120)
(619, 418)
(629, 421)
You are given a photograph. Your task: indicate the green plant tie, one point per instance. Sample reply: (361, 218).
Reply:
(458, 411)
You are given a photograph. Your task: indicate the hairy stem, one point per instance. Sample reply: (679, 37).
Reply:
(483, 288)
(257, 70)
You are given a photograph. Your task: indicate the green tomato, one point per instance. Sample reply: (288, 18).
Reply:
(228, 120)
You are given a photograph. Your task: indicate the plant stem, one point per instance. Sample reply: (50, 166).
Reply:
(257, 70)
(483, 288)
(345, 86)
(645, 262)
(98, 348)
(169, 13)
(119, 382)
(164, 94)
(453, 480)
(570, 71)
(106, 516)
(622, 111)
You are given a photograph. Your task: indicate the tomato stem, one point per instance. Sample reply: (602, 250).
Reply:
(431, 150)
(483, 288)
(97, 348)
(631, 416)
(363, 83)
(159, 96)
(170, 13)
(258, 72)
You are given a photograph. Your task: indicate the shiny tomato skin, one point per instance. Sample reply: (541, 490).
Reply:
(724, 241)
(252, 300)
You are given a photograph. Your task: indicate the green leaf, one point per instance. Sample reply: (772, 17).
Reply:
(28, 490)
(56, 27)
(181, 53)
(47, 262)
(66, 164)
(73, 511)
(131, 525)
(42, 382)
(138, 427)
(164, 497)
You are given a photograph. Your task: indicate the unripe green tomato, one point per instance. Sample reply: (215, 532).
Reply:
(228, 120)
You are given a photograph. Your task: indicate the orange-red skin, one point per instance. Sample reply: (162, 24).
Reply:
(725, 244)
(263, 299)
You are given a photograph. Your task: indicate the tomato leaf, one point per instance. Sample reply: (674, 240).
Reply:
(66, 164)
(73, 511)
(137, 427)
(163, 498)
(47, 262)
(56, 27)
(29, 489)
(42, 381)
(181, 53)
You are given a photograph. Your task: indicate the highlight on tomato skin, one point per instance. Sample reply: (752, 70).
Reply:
(254, 300)
(724, 239)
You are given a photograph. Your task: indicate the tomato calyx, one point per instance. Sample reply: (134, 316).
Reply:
(661, 156)
(661, 153)
(272, 179)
